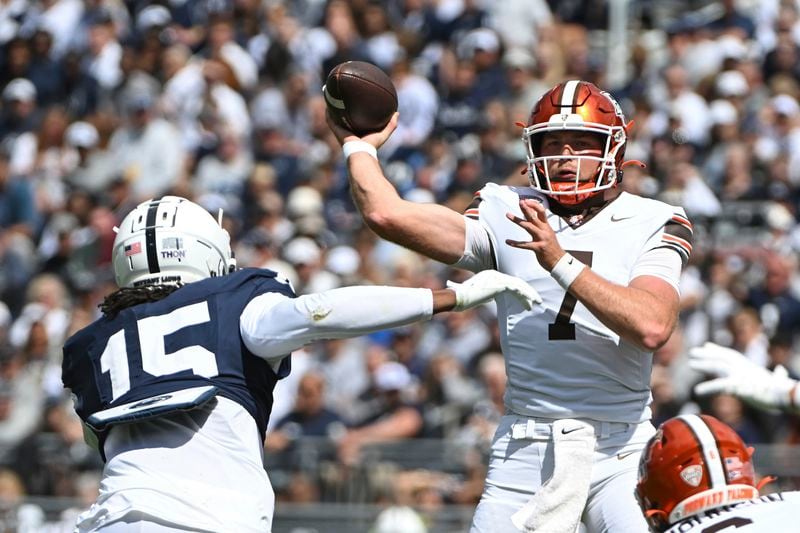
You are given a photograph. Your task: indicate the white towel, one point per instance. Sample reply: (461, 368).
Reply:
(558, 505)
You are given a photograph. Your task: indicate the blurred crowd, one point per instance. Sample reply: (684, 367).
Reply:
(105, 103)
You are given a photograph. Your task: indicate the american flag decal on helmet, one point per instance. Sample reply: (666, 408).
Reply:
(133, 249)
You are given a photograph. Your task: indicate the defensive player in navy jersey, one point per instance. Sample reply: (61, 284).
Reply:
(696, 475)
(174, 382)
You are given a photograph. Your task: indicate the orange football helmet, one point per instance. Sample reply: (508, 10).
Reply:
(692, 464)
(579, 106)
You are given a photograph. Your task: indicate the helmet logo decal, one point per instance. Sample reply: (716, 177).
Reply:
(692, 475)
(564, 117)
(173, 254)
(172, 248)
(171, 243)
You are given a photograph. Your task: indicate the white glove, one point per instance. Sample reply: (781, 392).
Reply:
(737, 375)
(487, 284)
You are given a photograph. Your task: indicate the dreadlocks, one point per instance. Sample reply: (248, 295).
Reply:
(130, 296)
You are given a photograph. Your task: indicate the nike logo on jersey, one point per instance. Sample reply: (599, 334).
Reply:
(565, 431)
(622, 456)
(617, 218)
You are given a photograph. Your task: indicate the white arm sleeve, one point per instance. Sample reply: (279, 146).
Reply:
(478, 254)
(662, 263)
(273, 325)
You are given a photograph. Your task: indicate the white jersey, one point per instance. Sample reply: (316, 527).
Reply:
(561, 361)
(770, 513)
(201, 469)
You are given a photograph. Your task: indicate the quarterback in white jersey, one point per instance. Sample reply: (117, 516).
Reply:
(572, 346)
(696, 475)
(607, 267)
(174, 382)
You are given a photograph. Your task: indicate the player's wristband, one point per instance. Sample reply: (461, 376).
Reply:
(351, 147)
(567, 270)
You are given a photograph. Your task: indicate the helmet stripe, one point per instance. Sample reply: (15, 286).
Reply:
(150, 238)
(708, 444)
(569, 95)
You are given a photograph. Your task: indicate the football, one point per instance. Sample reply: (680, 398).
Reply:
(360, 97)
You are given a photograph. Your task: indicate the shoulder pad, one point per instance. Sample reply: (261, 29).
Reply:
(510, 196)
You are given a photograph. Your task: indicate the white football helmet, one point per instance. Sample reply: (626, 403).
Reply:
(170, 241)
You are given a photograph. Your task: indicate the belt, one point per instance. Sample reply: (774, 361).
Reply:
(535, 428)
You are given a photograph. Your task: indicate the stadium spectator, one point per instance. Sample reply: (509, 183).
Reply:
(446, 394)
(572, 129)
(775, 297)
(104, 51)
(748, 335)
(392, 417)
(19, 214)
(489, 409)
(94, 171)
(20, 114)
(21, 398)
(419, 103)
(147, 148)
(309, 418)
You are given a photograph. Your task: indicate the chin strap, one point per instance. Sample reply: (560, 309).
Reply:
(624, 164)
(765, 481)
(632, 162)
(656, 517)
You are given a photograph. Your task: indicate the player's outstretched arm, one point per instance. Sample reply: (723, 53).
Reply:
(737, 375)
(273, 325)
(430, 229)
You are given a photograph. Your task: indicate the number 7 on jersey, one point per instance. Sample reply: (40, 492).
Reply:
(562, 329)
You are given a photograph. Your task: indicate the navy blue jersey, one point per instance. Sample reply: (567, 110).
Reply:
(190, 338)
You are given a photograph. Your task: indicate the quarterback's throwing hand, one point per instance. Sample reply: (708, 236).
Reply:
(485, 285)
(375, 139)
(543, 239)
(737, 375)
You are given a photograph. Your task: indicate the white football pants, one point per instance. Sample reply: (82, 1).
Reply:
(138, 522)
(521, 460)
